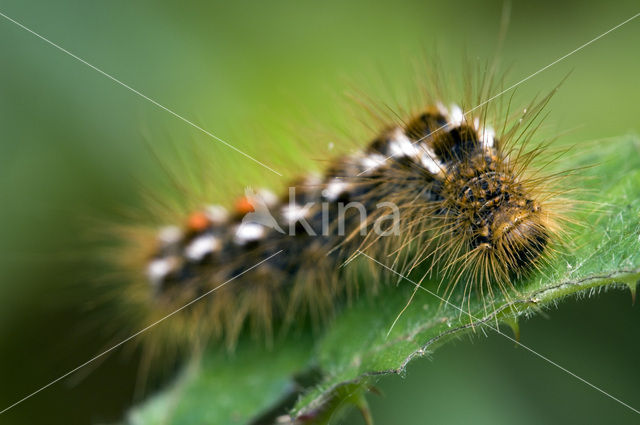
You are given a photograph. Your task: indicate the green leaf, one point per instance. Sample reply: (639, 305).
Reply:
(234, 389)
(224, 388)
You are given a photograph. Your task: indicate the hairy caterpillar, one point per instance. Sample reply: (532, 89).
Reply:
(443, 191)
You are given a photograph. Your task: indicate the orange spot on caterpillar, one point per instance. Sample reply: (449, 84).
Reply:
(244, 206)
(198, 221)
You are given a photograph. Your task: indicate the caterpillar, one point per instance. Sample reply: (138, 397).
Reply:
(442, 191)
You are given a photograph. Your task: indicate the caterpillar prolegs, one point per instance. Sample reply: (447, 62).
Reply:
(444, 191)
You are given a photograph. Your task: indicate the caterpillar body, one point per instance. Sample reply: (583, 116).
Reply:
(443, 190)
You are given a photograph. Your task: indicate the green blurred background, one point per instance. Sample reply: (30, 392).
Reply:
(74, 146)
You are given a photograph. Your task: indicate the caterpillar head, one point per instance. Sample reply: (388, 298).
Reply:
(504, 227)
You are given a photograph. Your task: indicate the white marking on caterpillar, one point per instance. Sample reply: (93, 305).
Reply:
(202, 246)
(312, 180)
(487, 137)
(442, 109)
(270, 199)
(247, 232)
(160, 268)
(401, 145)
(294, 212)
(216, 214)
(457, 116)
(169, 235)
(429, 161)
(371, 162)
(334, 188)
